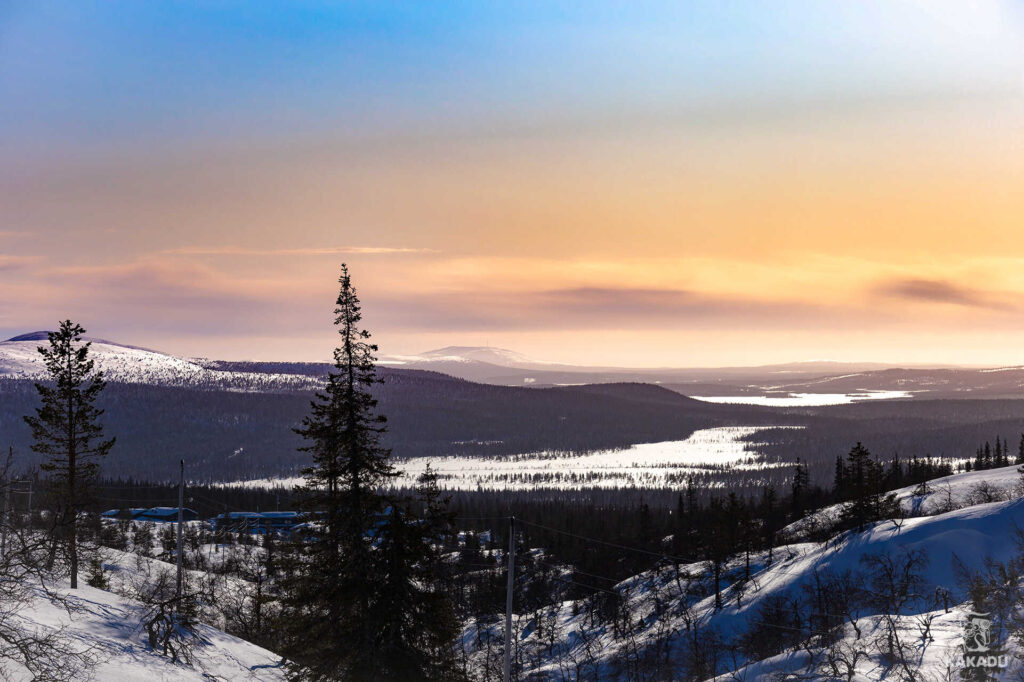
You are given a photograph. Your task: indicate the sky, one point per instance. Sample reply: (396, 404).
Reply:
(629, 184)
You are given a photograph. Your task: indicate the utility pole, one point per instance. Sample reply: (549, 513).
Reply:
(508, 596)
(7, 500)
(181, 515)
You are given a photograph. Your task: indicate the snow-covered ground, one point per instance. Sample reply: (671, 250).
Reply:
(647, 465)
(941, 494)
(111, 625)
(127, 364)
(666, 604)
(805, 399)
(643, 465)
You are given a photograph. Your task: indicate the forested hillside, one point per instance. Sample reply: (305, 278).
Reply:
(230, 435)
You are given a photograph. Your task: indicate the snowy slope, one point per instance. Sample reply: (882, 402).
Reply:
(942, 494)
(111, 623)
(20, 359)
(666, 604)
(970, 535)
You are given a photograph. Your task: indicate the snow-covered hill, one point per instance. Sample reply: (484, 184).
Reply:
(671, 620)
(111, 624)
(938, 495)
(20, 359)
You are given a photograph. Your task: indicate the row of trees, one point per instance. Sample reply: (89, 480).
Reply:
(988, 457)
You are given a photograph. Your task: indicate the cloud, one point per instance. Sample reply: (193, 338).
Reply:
(324, 251)
(583, 308)
(943, 291)
(12, 263)
(158, 298)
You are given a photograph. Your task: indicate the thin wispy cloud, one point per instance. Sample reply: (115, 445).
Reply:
(9, 262)
(592, 308)
(942, 291)
(313, 251)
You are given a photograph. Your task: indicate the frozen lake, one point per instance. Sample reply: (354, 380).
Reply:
(804, 399)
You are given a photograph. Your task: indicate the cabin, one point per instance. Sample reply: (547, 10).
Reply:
(258, 522)
(157, 514)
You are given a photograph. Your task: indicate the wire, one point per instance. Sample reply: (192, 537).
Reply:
(149, 502)
(573, 569)
(660, 555)
(578, 584)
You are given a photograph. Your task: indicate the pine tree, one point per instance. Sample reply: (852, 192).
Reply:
(358, 599)
(801, 481)
(839, 480)
(66, 428)
(441, 626)
(1020, 451)
(333, 577)
(866, 481)
(718, 545)
(771, 522)
(679, 525)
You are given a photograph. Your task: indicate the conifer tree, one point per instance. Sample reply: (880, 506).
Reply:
(358, 603)
(839, 480)
(866, 484)
(333, 577)
(801, 481)
(66, 428)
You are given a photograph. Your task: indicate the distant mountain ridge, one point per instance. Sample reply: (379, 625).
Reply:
(508, 368)
(502, 367)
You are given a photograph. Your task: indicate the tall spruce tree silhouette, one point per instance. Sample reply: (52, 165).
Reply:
(67, 430)
(358, 603)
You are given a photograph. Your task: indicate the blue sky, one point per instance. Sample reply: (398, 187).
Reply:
(187, 175)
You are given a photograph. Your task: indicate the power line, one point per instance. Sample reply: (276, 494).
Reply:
(573, 582)
(660, 555)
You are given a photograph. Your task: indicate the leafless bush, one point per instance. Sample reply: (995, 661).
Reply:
(983, 493)
(45, 653)
(170, 621)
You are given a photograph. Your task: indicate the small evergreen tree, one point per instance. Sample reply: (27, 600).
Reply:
(839, 479)
(798, 492)
(66, 428)
(866, 483)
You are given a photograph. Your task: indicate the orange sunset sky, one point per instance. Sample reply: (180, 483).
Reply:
(631, 184)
